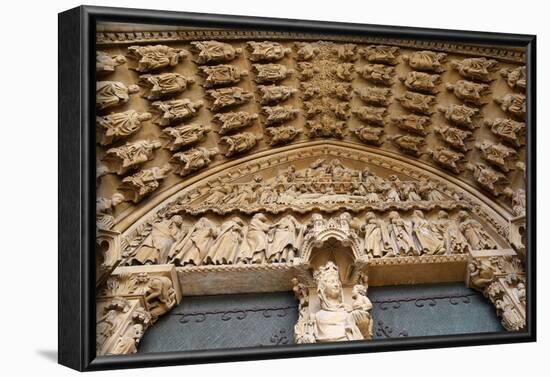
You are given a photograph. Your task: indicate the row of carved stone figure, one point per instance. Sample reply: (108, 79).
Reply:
(206, 243)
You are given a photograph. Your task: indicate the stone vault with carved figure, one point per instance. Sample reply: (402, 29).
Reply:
(265, 188)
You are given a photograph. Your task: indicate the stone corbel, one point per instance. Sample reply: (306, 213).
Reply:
(131, 300)
(499, 275)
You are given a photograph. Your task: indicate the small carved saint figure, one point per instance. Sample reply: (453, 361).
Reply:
(128, 342)
(113, 93)
(278, 114)
(228, 97)
(177, 110)
(468, 91)
(185, 163)
(374, 95)
(361, 302)
(447, 158)
(163, 85)
(417, 103)
(142, 183)
(378, 73)
(267, 51)
(270, 73)
(130, 155)
(110, 320)
(372, 115)
(518, 202)
(104, 210)
(454, 137)
(254, 246)
(513, 104)
(105, 63)
(240, 143)
(152, 58)
(421, 82)
(475, 233)
(417, 124)
(221, 75)
(478, 69)
(305, 51)
(344, 71)
(426, 60)
(455, 242)
(381, 54)
(516, 78)
(497, 155)
(225, 248)
(341, 110)
(408, 143)
(186, 135)
(370, 135)
(377, 237)
(326, 127)
(488, 178)
(427, 190)
(401, 232)
(284, 240)
(460, 115)
(116, 126)
(212, 52)
(426, 233)
(346, 52)
(306, 71)
(192, 249)
(281, 135)
(508, 130)
(233, 121)
(312, 109)
(273, 94)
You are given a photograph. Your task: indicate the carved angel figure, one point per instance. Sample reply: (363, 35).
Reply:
(374, 95)
(508, 130)
(152, 58)
(344, 71)
(513, 104)
(192, 249)
(373, 115)
(273, 94)
(270, 73)
(346, 52)
(475, 68)
(240, 143)
(408, 143)
(417, 103)
(516, 78)
(305, 51)
(211, 52)
(428, 191)
(306, 71)
(254, 246)
(142, 183)
(430, 240)
(192, 160)
(163, 85)
(234, 121)
(475, 233)
(267, 51)
(401, 232)
(460, 115)
(378, 73)
(228, 97)
(377, 238)
(381, 54)
(221, 75)
(370, 135)
(417, 124)
(105, 63)
(454, 137)
(421, 82)
(426, 60)
(278, 114)
(469, 92)
(326, 127)
(113, 93)
(185, 135)
(497, 155)
(130, 155)
(281, 135)
(487, 177)
(284, 240)
(225, 248)
(447, 158)
(177, 110)
(116, 126)
(455, 242)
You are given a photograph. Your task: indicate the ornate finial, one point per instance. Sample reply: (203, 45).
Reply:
(328, 270)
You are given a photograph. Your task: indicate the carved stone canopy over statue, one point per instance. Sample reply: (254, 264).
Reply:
(105, 63)
(163, 85)
(381, 54)
(113, 93)
(468, 91)
(234, 121)
(185, 163)
(240, 143)
(426, 60)
(130, 155)
(267, 51)
(175, 111)
(117, 126)
(142, 183)
(475, 68)
(228, 97)
(153, 58)
(221, 75)
(377, 73)
(212, 52)
(508, 130)
(186, 135)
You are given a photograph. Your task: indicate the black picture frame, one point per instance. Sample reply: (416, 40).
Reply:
(76, 188)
